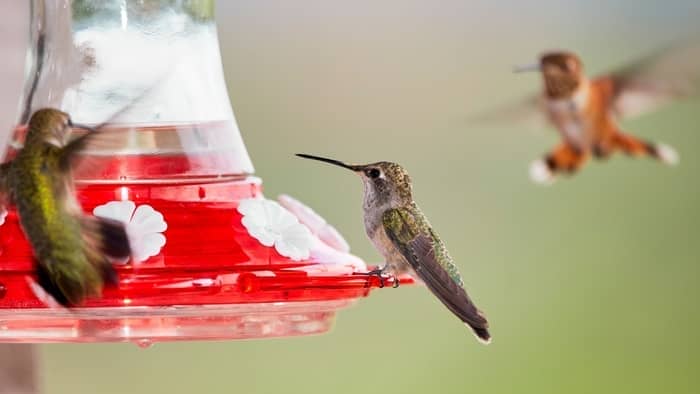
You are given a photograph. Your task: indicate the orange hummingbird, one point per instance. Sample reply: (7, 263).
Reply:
(585, 111)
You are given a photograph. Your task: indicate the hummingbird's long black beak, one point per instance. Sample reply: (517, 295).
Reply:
(330, 161)
(527, 68)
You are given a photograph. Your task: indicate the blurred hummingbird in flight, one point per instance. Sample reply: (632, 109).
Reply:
(70, 247)
(586, 111)
(402, 234)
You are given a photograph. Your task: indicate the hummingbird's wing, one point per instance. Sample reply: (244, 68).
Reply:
(69, 152)
(527, 111)
(411, 233)
(655, 80)
(102, 138)
(98, 137)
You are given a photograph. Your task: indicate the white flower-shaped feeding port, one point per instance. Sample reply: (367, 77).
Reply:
(272, 225)
(3, 215)
(144, 226)
(318, 226)
(329, 247)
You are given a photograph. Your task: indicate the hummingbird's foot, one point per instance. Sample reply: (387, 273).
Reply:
(370, 274)
(381, 274)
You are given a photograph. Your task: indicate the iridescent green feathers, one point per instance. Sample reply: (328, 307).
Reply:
(413, 236)
(409, 222)
(71, 248)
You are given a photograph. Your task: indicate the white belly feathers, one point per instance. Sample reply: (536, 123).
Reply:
(567, 115)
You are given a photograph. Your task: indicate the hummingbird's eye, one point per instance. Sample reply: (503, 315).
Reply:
(373, 173)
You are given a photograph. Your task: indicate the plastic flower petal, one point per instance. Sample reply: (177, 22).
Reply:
(144, 226)
(117, 210)
(272, 225)
(318, 226)
(144, 232)
(3, 215)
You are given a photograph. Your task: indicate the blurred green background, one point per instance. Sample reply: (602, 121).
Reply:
(589, 285)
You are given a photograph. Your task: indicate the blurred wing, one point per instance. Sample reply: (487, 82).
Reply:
(527, 112)
(101, 138)
(651, 82)
(419, 245)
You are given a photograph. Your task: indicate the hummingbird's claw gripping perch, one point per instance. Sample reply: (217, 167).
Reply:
(379, 273)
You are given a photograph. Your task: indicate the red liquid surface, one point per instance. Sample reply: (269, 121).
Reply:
(157, 153)
(208, 259)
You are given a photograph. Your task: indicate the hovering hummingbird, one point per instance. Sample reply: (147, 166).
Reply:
(69, 246)
(403, 235)
(586, 111)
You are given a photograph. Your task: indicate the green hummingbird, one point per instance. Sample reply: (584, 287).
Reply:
(402, 234)
(70, 248)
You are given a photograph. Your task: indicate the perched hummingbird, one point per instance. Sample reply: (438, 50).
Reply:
(586, 111)
(69, 246)
(403, 235)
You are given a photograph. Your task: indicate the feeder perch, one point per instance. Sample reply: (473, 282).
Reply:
(213, 259)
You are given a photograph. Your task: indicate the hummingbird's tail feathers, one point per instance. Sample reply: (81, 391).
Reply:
(637, 147)
(455, 298)
(115, 241)
(69, 284)
(562, 159)
(105, 239)
(481, 334)
(540, 172)
(108, 273)
(109, 236)
(42, 295)
(666, 154)
(49, 287)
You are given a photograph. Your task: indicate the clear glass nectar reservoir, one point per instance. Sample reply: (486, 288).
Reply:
(175, 171)
(151, 69)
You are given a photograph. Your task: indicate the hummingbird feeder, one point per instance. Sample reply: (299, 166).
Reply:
(212, 258)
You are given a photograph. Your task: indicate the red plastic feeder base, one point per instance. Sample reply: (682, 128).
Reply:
(210, 280)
